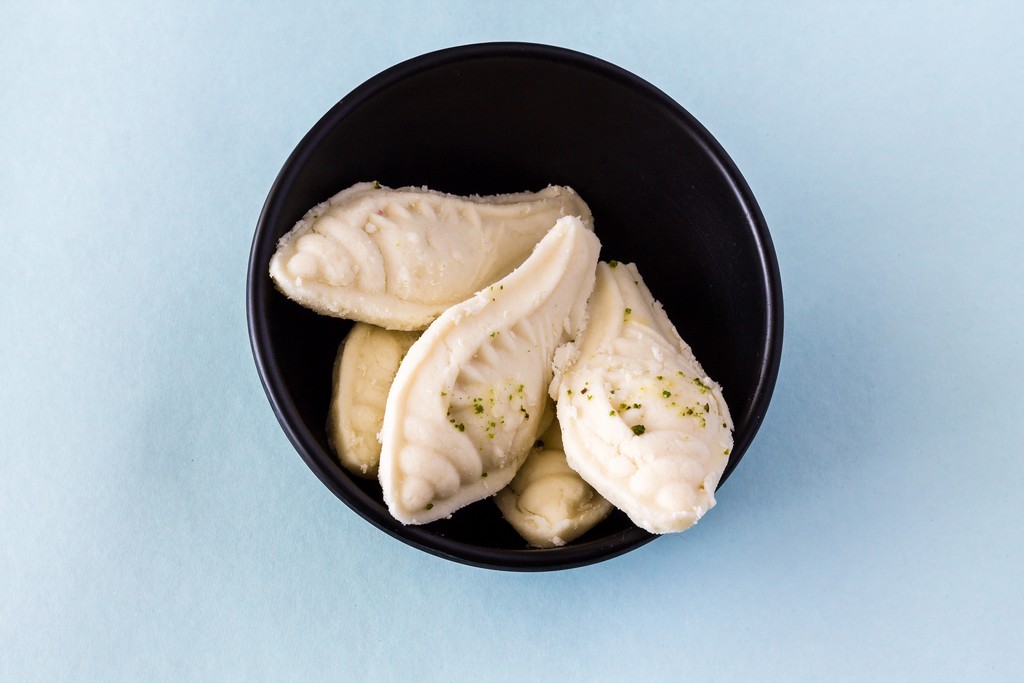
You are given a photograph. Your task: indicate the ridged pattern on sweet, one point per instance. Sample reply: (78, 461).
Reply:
(642, 422)
(398, 258)
(470, 396)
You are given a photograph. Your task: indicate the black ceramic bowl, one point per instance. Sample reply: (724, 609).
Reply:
(509, 117)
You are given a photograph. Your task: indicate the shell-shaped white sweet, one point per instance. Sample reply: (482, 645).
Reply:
(363, 372)
(547, 502)
(399, 258)
(641, 420)
(467, 402)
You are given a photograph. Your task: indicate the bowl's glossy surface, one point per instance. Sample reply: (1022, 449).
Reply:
(509, 117)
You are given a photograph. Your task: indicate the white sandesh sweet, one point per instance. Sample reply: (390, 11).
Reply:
(465, 406)
(641, 421)
(547, 502)
(399, 258)
(363, 372)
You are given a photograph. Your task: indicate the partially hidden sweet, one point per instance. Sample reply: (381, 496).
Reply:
(363, 372)
(547, 502)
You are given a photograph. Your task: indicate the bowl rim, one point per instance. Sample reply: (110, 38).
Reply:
(329, 472)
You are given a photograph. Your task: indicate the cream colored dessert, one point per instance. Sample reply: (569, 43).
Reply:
(363, 372)
(465, 406)
(399, 258)
(547, 502)
(641, 421)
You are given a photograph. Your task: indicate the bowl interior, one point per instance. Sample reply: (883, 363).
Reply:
(509, 118)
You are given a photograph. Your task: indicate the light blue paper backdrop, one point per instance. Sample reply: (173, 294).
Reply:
(155, 524)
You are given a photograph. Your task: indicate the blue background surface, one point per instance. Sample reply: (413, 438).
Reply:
(155, 523)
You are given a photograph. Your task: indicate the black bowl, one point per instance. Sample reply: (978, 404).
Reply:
(510, 117)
